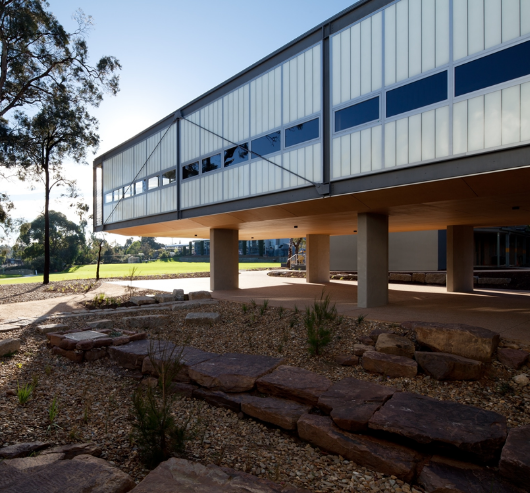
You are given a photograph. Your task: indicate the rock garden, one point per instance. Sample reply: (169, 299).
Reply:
(268, 398)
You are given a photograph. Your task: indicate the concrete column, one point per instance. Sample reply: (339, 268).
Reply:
(372, 260)
(459, 259)
(224, 259)
(317, 258)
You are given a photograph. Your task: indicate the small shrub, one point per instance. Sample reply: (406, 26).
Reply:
(24, 393)
(281, 311)
(317, 321)
(35, 381)
(505, 388)
(360, 319)
(244, 307)
(253, 304)
(265, 304)
(53, 412)
(48, 370)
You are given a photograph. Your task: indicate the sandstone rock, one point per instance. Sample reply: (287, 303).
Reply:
(202, 318)
(178, 294)
(233, 372)
(8, 346)
(121, 340)
(367, 341)
(435, 278)
(46, 329)
(220, 399)
(360, 349)
(74, 449)
(132, 355)
(377, 332)
(394, 344)
(445, 366)
(460, 339)
(379, 455)
(180, 475)
(22, 449)
(101, 324)
(142, 300)
(418, 277)
(442, 475)
(443, 425)
(353, 402)
(67, 344)
(145, 321)
(95, 354)
(346, 359)
(279, 412)
(183, 389)
(9, 328)
(75, 356)
(512, 358)
(200, 295)
(509, 345)
(103, 342)
(396, 276)
(515, 457)
(521, 380)
(24, 463)
(84, 345)
(294, 383)
(164, 297)
(389, 365)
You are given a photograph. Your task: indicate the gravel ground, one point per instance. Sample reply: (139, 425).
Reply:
(104, 390)
(18, 293)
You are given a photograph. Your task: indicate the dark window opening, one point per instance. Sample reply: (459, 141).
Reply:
(494, 69)
(364, 112)
(302, 133)
(236, 155)
(266, 144)
(417, 94)
(169, 177)
(211, 163)
(190, 170)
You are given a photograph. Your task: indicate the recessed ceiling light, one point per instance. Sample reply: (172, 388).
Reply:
(515, 208)
(195, 235)
(296, 226)
(355, 231)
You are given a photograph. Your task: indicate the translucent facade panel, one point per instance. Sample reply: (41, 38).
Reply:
(129, 171)
(306, 162)
(107, 176)
(402, 40)
(168, 147)
(442, 32)
(211, 188)
(190, 194)
(358, 152)
(492, 119)
(139, 206)
(511, 115)
(510, 19)
(415, 35)
(475, 34)
(525, 111)
(402, 142)
(525, 17)
(153, 203)
(442, 132)
(127, 210)
(265, 177)
(99, 196)
(428, 35)
(168, 199)
(302, 85)
(492, 24)
(390, 45)
(140, 157)
(154, 163)
(428, 135)
(236, 114)
(236, 182)
(212, 120)
(377, 51)
(390, 145)
(460, 35)
(460, 127)
(475, 124)
(190, 138)
(415, 139)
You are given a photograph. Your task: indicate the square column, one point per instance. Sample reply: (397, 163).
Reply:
(224, 259)
(459, 259)
(317, 258)
(372, 260)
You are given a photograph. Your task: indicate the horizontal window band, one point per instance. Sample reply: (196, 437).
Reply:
(358, 114)
(302, 132)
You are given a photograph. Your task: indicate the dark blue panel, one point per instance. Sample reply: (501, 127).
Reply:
(490, 70)
(302, 133)
(190, 170)
(421, 93)
(236, 155)
(266, 145)
(211, 163)
(364, 112)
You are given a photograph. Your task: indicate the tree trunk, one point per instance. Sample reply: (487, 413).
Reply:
(99, 260)
(289, 253)
(46, 273)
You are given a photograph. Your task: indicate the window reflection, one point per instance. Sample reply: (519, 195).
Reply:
(211, 163)
(169, 177)
(139, 187)
(301, 133)
(190, 170)
(127, 192)
(152, 183)
(236, 155)
(357, 114)
(118, 194)
(266, 144)
(108, 198)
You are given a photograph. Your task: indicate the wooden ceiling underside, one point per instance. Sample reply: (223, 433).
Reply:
(480, 200)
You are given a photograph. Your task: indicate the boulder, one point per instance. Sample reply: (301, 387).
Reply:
(164, 297)
(178, 294)
(377, 332)
(435, 278)
(279, 412)
(445, 366)
(460, 339)
(202, 318)
(389, 365)
(443, 475)
(443, 425)
(394, 344)
(200, 295)
(142, 300)
(8, 346)
(521, 380)
(294, 383)
(145, 321)
(353, 402)
(74, 449)
(360, 349)
(22, 449)
(220, 399)
(367, 341)
(131, 355)
(379, 455)
(515, 457)
(46, 329)
(180, 475)
(512, 358)
(101, 324)
(346, 359)
(233, 372)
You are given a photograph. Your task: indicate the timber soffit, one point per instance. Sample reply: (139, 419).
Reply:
(344, 18)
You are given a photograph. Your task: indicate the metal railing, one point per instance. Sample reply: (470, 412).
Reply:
(297, 259)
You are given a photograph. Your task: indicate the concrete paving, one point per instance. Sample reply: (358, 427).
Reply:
(504, 311)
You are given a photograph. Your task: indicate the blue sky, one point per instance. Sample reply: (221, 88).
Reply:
(171, 53)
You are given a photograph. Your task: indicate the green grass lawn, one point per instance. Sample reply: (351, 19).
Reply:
(121, 270)
(5, 276)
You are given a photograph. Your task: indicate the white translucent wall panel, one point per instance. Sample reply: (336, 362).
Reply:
(416, 38)
(305, 162)
(492, 119)
(475, 124)
(127, 209)
(460, 127)
(265, 177)
(168, 148)
(212, 120)
(442, 132)
(428, 135)
(107, 213)
(153, 154)
(483, 24)
(390, 145)
(153, 202)
(211, 188)
(190, 138)
(302, 85)
(128, 166)
(415, 139)
(139, 205)
(511, 115)
(357, 57)
(266, 102)
(107, 176)
(236, 115)
(190, 194)
(525, 111)
(355, 153)
(140, 157)
(236, 182)
(168, 199)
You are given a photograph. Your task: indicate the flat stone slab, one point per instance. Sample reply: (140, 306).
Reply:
(143, 300)
(396, 345)
(186, 305)
(200, 295)
(443, 425)
(46, 329)
(294, 383)
(515, 457)
(512, 358)
(233, 372)
(389, 365)
(445, 366)
(86, 335)
(74, 449)
(460, 339)
(218, 398)
(83, 474)
(8, 328)
(202, 318)
(445, 475)
(279, 412)
(145, 321)
(101, 324)
(378, 455)
(22, 449)
(346, 359)
(353, 402)
(164, 297)
(180, 475)
(8, 346)
(130, 355)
